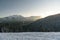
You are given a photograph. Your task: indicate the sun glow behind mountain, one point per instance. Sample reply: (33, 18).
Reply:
(44, 9)
(42, 15)
(45, 15)
(28, 8)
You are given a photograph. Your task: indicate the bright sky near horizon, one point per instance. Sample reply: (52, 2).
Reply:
(29, 7)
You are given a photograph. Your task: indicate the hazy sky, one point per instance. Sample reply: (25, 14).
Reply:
(29, 7)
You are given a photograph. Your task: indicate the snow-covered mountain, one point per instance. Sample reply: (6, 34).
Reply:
(13, 18)
(18, 18)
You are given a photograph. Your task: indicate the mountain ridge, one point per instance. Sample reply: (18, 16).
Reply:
(50, 23)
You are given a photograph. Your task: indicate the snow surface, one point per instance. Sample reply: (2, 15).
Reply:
(30, 36)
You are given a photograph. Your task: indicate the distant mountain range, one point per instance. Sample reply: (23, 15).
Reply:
(12, 18)
(33, 18)
(18, 18)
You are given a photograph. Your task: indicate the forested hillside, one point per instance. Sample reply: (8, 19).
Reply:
(47, 24)
(15, 23)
